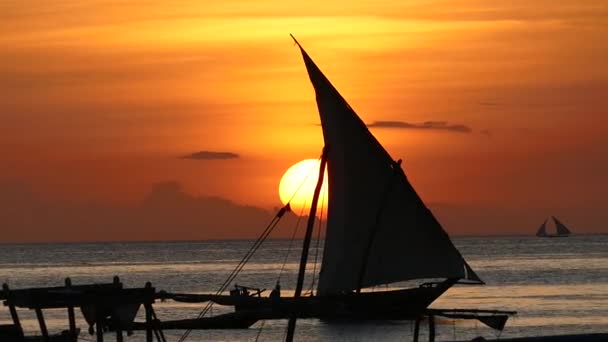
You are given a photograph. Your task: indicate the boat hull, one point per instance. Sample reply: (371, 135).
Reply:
(384, 305)
(406, 304)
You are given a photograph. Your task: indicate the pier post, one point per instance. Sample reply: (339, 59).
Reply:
(98, 323)
(71, 316)
(42, 323)
(417, 329)
(148, 307)
(12, 309)
(149, 334)
(431, 328)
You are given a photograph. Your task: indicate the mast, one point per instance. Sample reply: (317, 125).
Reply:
(291, 326)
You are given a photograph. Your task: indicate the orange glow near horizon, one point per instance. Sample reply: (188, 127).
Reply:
(490, 105)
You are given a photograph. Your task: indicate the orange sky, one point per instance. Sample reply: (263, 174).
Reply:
(100, 99)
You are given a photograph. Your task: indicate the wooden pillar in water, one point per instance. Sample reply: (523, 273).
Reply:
(417, 329)
(119, 337)
(12, 309)
(148, 307)
(118, 327)
(149, 333)
(71, 315)
(98, 323)
(42, 323)
(431, 328)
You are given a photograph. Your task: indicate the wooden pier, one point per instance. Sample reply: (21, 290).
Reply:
(106, 307)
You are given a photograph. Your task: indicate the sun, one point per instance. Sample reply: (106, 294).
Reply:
(298, 183)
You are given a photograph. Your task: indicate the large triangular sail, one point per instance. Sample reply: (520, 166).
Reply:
(542, 231)
(560, 227)
(378, 229)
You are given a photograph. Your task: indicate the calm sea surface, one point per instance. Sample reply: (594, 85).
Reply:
(557, 285)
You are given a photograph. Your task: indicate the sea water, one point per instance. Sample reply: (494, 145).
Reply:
(556, 285)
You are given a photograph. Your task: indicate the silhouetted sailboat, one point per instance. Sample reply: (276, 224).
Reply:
(560, 228)
(378, 232)
(378, 229)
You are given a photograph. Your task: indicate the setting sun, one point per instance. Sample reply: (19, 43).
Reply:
(298, 185)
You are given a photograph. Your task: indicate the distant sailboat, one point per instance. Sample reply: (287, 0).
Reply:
(560, 228)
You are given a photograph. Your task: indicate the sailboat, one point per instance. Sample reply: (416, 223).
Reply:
(378, 232)
(560, 228)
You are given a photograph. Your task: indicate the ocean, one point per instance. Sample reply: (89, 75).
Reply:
(556, 285)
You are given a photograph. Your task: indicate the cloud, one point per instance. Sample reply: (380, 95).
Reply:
(428, 125)
(210, 155)
(167, 212)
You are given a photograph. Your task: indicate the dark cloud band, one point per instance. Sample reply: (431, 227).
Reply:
(430, 125)
(210, 155)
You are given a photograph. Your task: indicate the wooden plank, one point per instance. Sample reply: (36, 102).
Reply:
(57, 297)
(68, 297)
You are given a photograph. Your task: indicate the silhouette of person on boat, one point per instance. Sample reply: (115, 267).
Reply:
(275, 294)
(240, 291)
(245, 291)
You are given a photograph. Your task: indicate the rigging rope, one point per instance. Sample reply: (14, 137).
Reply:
(241, 264)
(293, 236)
(303, 181)
(299, 219)
(314, 267)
